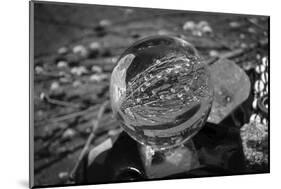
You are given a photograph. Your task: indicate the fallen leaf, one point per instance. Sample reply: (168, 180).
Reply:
(231, 88)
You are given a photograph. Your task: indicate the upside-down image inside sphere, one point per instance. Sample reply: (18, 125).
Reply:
(160, 91)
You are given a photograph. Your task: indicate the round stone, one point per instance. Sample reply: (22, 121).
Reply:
(149, 95)
(264, 77)
(259, 86)
(260, 69)
(255, 103)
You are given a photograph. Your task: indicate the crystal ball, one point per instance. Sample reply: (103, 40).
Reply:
(161, 93)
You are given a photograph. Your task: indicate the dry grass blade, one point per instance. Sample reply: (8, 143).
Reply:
(59, 102)
(89, 140)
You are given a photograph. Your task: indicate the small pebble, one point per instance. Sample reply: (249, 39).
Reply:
(213, 53)
(69, 134)
(172, 90)
(207, 29)
(261, 94)
(88, 130)
(105, 23)
(65, 79)
(228, 99)
(129, 11)
(96, 69)
(63, 175)
(179, 95)
(78, 70)
(259, 86)
(39, 70)
(255, 118)
(242, 36)
(260, 69)
(264, 121)
(62, 64)
(39, 113)
(42, 96)
(255, 103)
(248, 65)
(243, 45)
(251, 30)
(263, 41)
(80, 50)
(264, 61)
(264, 77)
(189, 25)
(76, 83)
(197, 33)
(94, 49)
(62, 50)
(113, 60)
(202, 24)
(54, 86)
(186, 88)
(94, 46)
(98, 77)
(258, 56)
(234, 24)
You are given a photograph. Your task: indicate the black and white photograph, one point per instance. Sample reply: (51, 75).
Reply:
(125, 94)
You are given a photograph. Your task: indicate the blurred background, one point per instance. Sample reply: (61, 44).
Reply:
(76, 48)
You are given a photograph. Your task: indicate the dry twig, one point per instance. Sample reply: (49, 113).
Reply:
(59, 102)
(89, 140)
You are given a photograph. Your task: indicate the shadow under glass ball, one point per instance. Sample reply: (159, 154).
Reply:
(160, 91)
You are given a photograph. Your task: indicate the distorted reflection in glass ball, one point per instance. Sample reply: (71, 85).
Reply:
(160, 91)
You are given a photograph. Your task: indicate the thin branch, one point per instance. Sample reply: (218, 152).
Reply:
(75, 114)
(59, 102)
(89, 140)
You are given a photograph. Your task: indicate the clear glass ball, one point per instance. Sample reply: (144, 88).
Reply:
(160, 91)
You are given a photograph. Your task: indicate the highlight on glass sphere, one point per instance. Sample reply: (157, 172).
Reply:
(160, 91)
